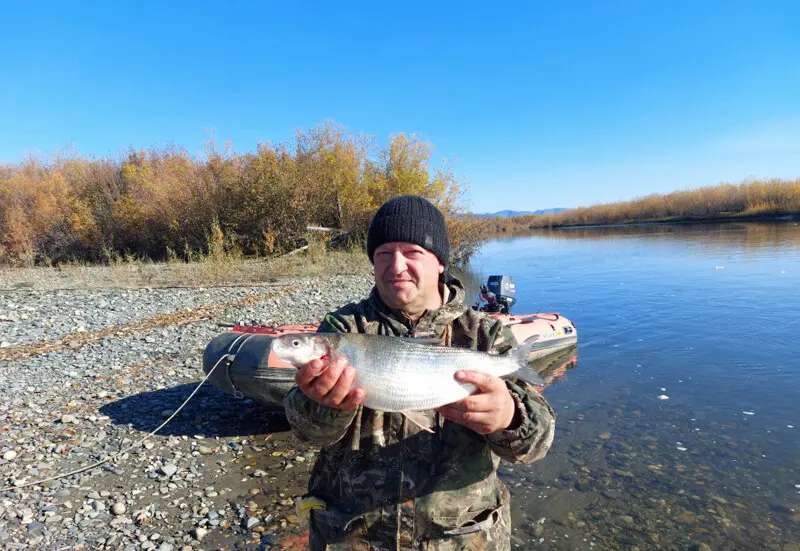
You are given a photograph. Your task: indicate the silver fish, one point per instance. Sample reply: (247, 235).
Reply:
(401, 374)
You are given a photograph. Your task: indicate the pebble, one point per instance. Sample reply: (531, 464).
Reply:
(251, 522)
(84, 400)
(169, 469)
(199, 533)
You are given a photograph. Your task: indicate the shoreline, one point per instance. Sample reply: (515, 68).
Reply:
(657, 222)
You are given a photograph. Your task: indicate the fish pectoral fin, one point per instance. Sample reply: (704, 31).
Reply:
(419, 419)
(422, 340)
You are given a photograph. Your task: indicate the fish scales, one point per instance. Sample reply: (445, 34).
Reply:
(408, 376)
(397, 374)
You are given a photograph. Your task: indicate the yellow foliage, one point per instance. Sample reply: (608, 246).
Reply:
(758, 198)
(154, 202)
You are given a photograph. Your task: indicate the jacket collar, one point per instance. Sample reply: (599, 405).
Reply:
(453, 306)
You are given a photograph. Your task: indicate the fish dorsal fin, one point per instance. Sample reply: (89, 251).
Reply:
(419, 419)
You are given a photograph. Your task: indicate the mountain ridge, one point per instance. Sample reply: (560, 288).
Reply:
(507, 213)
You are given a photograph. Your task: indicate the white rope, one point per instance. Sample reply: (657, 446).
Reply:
(141, 440)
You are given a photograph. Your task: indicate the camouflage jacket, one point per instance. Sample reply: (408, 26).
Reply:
(389, 485)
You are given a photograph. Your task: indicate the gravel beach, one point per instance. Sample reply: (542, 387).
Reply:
(86, 373)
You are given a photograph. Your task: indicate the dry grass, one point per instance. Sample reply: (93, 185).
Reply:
(207, 272)
(747, 200)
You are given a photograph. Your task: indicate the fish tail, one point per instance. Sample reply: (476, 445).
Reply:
(519, 354)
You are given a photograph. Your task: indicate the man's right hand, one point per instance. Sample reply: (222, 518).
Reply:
(330, 383)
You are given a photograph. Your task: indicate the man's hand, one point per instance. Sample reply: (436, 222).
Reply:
(490, 409)
(330, 383)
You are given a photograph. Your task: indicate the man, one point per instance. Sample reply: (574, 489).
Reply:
(385, 482)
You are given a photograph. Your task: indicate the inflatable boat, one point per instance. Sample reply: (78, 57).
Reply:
(248, 367)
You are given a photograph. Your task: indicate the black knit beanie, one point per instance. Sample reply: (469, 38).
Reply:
(411, 219)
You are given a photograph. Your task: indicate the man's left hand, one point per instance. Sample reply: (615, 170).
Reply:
(490, 409)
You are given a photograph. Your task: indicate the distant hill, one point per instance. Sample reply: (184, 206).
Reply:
(507, 213)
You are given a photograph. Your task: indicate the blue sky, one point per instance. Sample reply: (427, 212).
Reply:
(541, 104)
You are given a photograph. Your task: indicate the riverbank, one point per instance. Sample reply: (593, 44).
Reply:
(87, 372)
(748, 201)
(644, 227)
(683, 221)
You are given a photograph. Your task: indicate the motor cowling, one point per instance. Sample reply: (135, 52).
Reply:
(502, 292)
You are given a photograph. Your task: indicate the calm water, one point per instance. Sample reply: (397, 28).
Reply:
(708, 315)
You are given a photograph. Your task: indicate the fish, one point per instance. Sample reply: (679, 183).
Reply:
(404, 375)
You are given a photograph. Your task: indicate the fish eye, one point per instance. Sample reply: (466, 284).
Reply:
(296, 342)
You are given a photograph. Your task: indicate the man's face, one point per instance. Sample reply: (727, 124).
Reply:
(407, 276)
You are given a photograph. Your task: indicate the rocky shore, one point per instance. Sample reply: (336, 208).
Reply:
(87, 373)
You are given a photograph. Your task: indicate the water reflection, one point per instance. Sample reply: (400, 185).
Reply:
(746, 235)
(554, 367)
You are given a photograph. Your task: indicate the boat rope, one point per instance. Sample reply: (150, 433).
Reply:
(225, 357)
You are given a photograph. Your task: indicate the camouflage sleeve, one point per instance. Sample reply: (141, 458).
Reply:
(332, 323)
(532, 439)
(499, 338)
(310, 421)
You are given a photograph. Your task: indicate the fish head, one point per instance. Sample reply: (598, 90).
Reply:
(299, 349)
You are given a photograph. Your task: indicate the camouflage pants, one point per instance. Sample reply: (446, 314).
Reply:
(493, 534)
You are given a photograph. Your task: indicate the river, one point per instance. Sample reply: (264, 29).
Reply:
(679, 427)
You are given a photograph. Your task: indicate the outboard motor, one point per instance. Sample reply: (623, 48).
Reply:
(499, 293)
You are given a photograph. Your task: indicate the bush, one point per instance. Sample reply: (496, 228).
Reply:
(162, 204)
